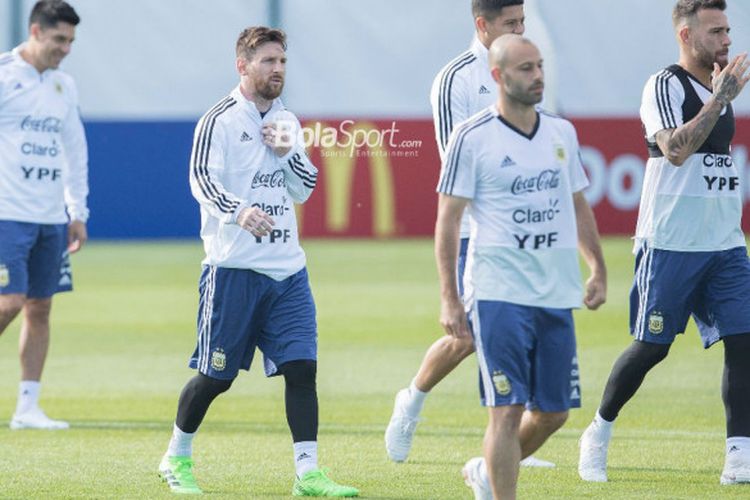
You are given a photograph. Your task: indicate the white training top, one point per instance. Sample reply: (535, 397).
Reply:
(697, 206)
(524, 236)
(231, 169)
(461, 89)
(43, 156)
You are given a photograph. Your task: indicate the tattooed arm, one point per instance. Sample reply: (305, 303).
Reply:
(679, 143)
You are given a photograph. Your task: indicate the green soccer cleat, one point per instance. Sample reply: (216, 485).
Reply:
(178, 473)
(316, 484)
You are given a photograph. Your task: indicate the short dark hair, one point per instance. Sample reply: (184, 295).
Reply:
(47, 13)
(686, 9)
(252, 38)
(490, 9)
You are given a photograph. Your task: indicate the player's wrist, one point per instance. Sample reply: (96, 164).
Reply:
(238, 212)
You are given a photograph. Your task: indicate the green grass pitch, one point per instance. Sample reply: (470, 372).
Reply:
(118, 361)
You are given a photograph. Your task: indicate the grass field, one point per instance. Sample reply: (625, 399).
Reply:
(118, 361)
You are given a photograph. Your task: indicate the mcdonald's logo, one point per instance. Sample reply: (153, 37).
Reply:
(339, 162)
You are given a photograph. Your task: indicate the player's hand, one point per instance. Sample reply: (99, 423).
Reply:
(453, 319)
(729, 82)
(77, 235)
(279, 141)
(256, 221)
(596, 292)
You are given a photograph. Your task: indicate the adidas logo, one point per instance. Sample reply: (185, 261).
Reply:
(483, 90)
(18, 86)
(302, 456)
(245, 137)
(733, 449)
(507, 162)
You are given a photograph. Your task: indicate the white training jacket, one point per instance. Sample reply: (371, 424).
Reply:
(43, 154)
(232, 169)
(461, 89)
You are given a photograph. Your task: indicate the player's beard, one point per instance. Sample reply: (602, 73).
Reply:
(52, 58)
(527, 96)
(268, 88)
(708, 57)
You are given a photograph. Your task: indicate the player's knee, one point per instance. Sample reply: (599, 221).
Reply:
(300, 373)
(505, 418)
(37, 310)
(650, 354)
(552, 421)
(207, 386)
(10, 306)
(462, 347)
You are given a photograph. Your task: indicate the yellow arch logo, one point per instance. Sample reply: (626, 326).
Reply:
(339, 162)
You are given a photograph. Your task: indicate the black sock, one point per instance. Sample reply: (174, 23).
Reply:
(301, 399)
(735, 385)
(195, 399)
(627, 375)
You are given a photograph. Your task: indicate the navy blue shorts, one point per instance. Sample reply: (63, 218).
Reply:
(34, 259)
(240, 310)
(527, 356)
(669, 286)
(461, 265)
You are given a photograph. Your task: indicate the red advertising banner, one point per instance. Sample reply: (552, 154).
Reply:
(377, 177)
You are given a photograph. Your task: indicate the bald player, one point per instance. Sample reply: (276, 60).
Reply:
(519, 171)
(463, 87)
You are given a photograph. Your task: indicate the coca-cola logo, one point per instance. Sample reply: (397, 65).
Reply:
(272, 180)
(49, 124)
(546, 180)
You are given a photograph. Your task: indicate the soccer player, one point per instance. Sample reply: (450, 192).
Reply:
(690, 249)
(461, 89)
(519, 171)
(246, 171)
(43, 190)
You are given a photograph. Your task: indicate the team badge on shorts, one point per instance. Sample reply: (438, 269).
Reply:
(656, 323)
(4, 275)
(218, 359)
(502, 384)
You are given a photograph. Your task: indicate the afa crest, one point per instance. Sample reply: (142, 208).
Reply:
(656, 323)
(502, 384)
(561, 155)
(4, 275)
(218, 359)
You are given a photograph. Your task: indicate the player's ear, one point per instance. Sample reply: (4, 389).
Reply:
(684, 33)
(35, 30)
(496, 75)
(481, 24)
(241, 64)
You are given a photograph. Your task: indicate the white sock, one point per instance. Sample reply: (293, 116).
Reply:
(603, 427)
(28, 396)
(740, 445)
(483, 472)
(305, 457)
(416, 401)
(181, 444)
